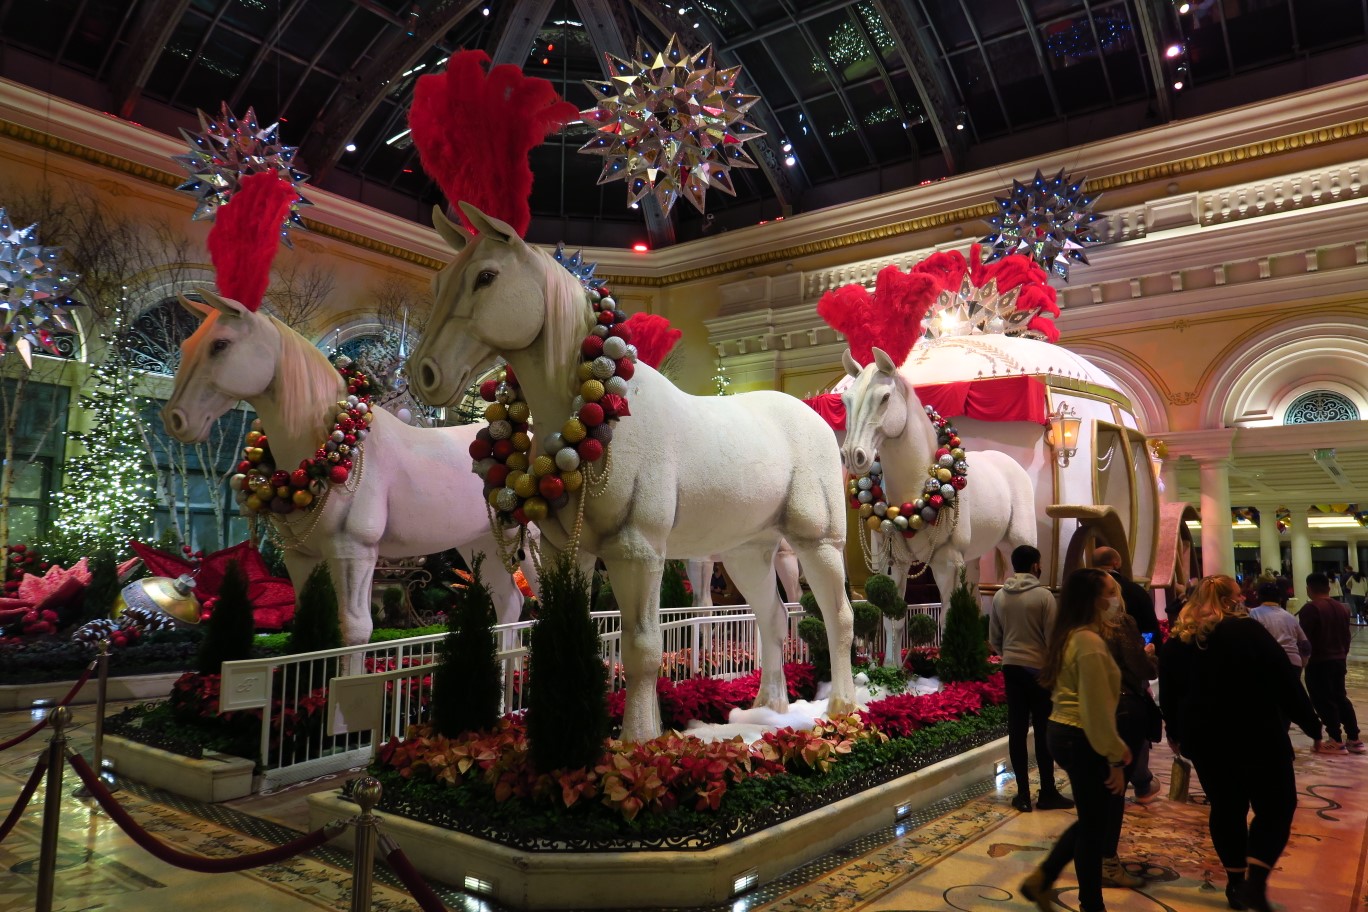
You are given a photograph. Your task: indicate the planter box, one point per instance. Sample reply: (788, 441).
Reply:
(621, 880)
(128, 687)
(218, 777)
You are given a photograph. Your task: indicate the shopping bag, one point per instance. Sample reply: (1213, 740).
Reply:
(1180, 779)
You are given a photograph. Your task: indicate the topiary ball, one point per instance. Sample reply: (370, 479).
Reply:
(808, 602)
(867, 617)
(883, 593)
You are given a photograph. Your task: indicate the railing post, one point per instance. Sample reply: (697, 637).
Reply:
(696, 654)
(101, 694)
(60, 718)
(367, 795)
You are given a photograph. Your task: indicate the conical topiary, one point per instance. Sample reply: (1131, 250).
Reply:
(316, 624)
(229, 636)
(673, 593)
(964, 650)
(567, 712)
(465, 689)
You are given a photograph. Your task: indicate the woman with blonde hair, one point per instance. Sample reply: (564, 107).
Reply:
(1227, 691)
(1085, 686)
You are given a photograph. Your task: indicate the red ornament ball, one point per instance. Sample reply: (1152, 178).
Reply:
(622, 331)
(278, 480)
(551, 487)
(520, 517)
(605, 317)
(943, 451)
(19, 549)
(244, 467)
(590, 450)
(936, 500)
(905, 509)
(349, 439)
(510, 377)
(480, 449)
(958, 482)
(487, 390)
(496, 475)
(503, 449)
(337, 475)
(877, 493)
(591, 414)
(626, 367)
(299, 478)
(591, 347)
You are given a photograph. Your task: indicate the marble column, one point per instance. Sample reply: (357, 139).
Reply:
(1270, 547)
(1301, 551)
(1218, 541)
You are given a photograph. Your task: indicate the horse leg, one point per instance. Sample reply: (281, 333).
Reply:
(752, 570)
(786, 567)
(824, 565)
(636, 586)
(946, 565)
(506, 597)
(351, 573)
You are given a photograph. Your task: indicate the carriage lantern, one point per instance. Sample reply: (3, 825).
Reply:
(1062, 434)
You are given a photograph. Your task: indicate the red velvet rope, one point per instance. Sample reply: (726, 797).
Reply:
(27, 793)
(196, 863)
(42, 723)
(413, 881)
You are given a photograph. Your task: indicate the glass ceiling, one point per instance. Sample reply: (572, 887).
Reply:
(859, 96)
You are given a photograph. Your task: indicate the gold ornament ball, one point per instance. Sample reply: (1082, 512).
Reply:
(892, 513)
(302, 498)
(574, 431)
(522, 442)
(944, 474)
(519, 412)
(264, 491)
(368, 417)
(916, 522)
(585, 371)
(253, 437)
(493, 498)
(283, 491)
(592, 390)
(535, 509)
(517, 461)
(254, 454)
(872, 523)
(543, 465)
(526, 485)
(573, 481)
(958, 453)
(495, 411)
(253, 503)
(866, 511)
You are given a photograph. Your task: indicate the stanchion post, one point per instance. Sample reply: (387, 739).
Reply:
(101, 694)
(60, 717)
(367, 795)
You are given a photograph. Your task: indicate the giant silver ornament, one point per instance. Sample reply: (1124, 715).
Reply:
(1046, 219)
(32, 291)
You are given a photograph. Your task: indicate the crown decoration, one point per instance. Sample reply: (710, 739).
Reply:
(980, 309)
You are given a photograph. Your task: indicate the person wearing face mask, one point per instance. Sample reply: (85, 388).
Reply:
(1085, 686)
(1227, 692)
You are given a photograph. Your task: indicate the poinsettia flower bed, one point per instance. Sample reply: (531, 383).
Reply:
(711, 700)
(677, 791)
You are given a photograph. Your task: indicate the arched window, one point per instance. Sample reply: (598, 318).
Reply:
(153, 342)
(1320, 405)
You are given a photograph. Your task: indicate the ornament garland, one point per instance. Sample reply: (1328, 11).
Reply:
(263, 489)
(945, 478)
(523, 488)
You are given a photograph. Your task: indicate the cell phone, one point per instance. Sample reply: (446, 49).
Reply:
(1149, 638)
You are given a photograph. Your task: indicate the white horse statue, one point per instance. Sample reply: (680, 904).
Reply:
(785, 568)
(689, 476)
(414, 495)
(994, 511)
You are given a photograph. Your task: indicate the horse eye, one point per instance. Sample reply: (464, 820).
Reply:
(885, 397)
(218, 346)
(485, 278)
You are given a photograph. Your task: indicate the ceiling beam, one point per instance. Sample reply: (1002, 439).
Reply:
(608, 27)
(521, 22)
(1152, 37)
(788, 187)
(147, 36)
(271, 42)
(365, 87)
(930, 74)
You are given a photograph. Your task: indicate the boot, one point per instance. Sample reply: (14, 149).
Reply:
(1255, 892)
(1053, 801)
(1037, 889)
(1114, 874)
(1022, 802)
(1235, 880)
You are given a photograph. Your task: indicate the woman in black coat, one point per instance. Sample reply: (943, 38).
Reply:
(1227, 691)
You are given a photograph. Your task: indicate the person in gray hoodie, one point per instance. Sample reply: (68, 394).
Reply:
(1023, 613)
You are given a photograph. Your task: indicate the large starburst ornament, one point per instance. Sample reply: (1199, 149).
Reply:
(977, 309)
(1046, 219)
(32, 291)
(225, 151)
(579, 267)
(670, 123)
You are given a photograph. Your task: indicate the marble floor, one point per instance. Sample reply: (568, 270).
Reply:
(965, 854)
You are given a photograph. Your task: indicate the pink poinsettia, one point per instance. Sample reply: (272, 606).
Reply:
(56, 582)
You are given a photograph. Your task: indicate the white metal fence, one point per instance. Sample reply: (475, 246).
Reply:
(389, 685)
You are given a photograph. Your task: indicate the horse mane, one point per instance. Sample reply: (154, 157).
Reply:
(307, 386)
(567, 311)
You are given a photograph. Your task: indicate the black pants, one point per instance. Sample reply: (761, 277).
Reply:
(1028, 706)
(1236, 781)
(1325, 684)
(1098, 812)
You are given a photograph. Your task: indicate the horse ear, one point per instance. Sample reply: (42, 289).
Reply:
(455, 236)
(488, 226)
(226, 306)
(885, 363)
(852, 367)
(195, 308)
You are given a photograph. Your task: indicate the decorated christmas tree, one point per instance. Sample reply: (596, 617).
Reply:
(105, 500)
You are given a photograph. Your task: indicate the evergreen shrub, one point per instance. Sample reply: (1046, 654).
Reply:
(229, 634)
(466, 689)
(964, 648)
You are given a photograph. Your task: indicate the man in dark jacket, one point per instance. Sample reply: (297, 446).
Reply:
(1326, 623)
(1138, 603)
(1023, 612)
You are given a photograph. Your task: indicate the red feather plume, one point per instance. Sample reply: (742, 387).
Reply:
(474, 131)
(653, 337)
(246, 236)
(890, 319)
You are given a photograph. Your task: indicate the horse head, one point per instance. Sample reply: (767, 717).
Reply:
(231, 357)
(876, 407)
(490, 299)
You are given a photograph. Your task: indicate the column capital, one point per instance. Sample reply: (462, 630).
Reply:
(1205, 446)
